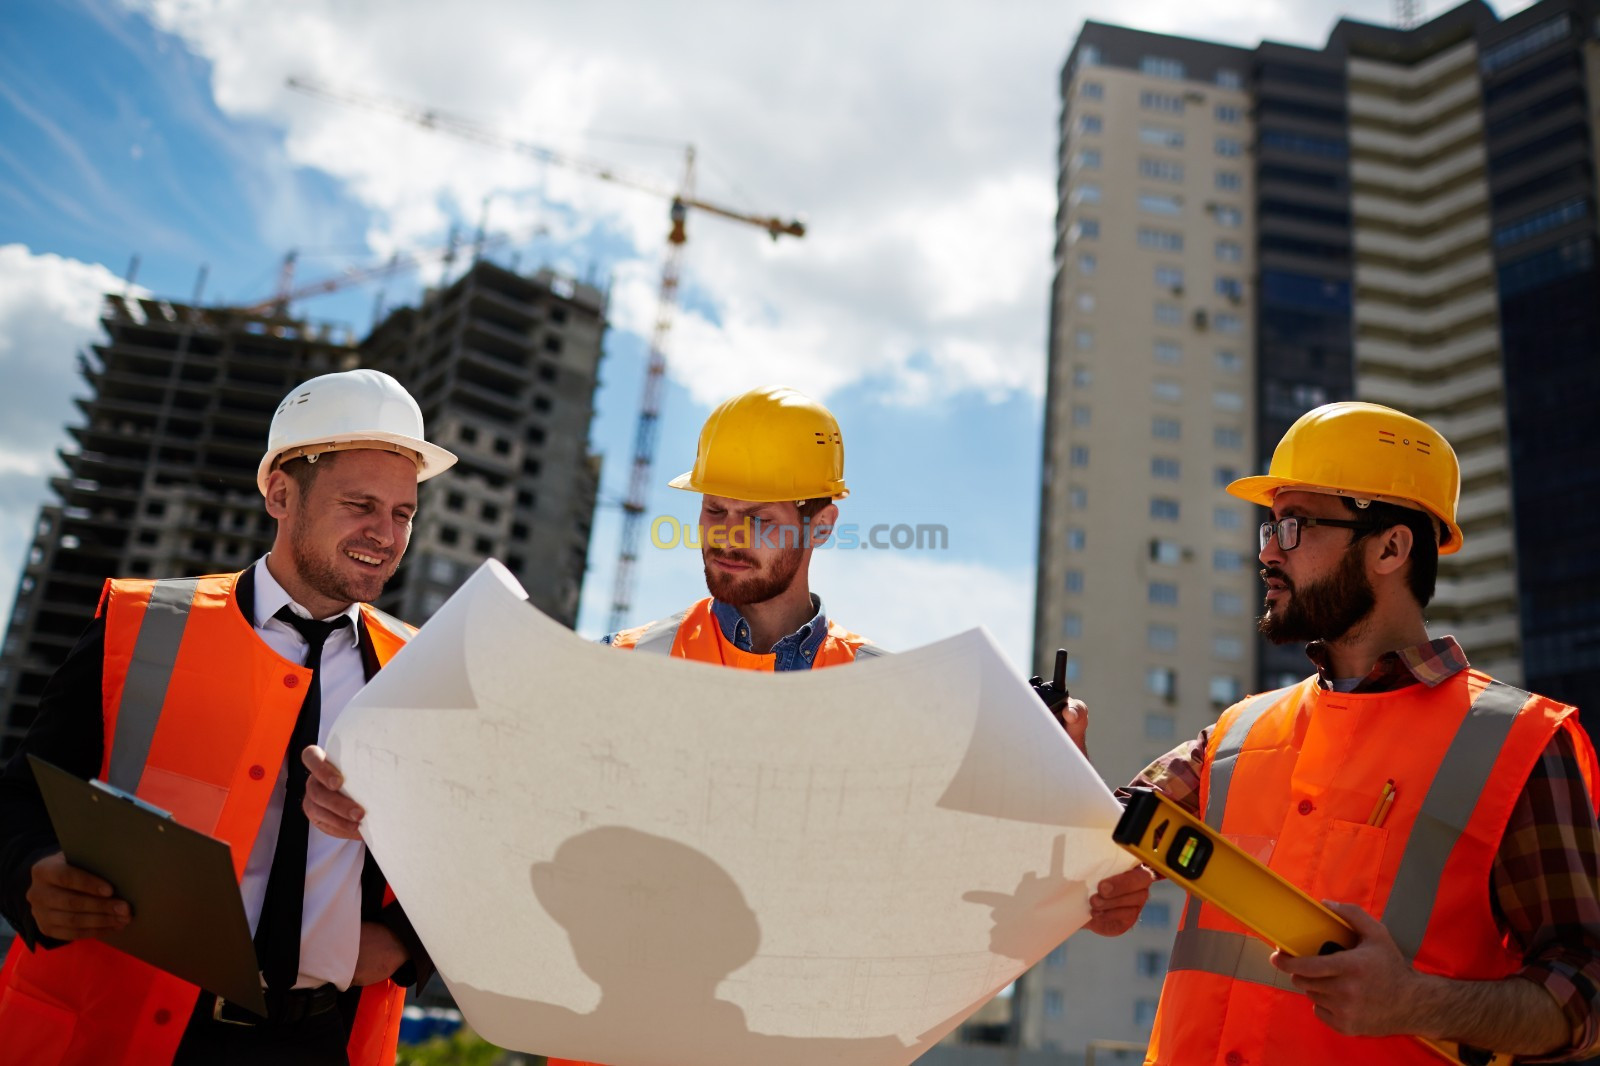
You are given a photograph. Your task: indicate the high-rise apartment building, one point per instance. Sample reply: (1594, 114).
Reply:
(1405, 216)
(162, 482)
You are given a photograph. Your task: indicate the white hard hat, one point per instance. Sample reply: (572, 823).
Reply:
(356, 409)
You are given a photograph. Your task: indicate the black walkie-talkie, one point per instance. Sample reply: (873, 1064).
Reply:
(1054, 691)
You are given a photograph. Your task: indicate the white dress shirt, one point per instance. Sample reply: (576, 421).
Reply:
(330, 924)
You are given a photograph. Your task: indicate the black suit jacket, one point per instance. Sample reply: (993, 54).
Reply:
(69, 732)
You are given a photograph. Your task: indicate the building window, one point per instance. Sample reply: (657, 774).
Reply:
(1081, 414)
(1228, 361)
(1228, 437)
(1086, 302)
(1092, 90)
(1161, 67)
(1170, 277)
(1074, 581)
(1231, 217)
(1161, 682)
(1087, 263)
(1150, 964)
(1229, 181)
(1525, 44)
(1227, 400)
(1072, 626)
(1087, 159)
(1230, 79)
(1171, 103)
(1077, 498)
(1079, 455)
(1082, 376)
(1223, 476)
(1165, 429)
(1225, 518)
(1162, 594)
(1086, 229)
(1226, 604)
(1230, 252)
(1166, 391)
(1230, 288)
(1229, 147)
(1057, 957)
(1164, 468)
(1054, 1003)
(1157, 913)
(1225, 560)
(1163, 509)
(1168, 315)
(1228, 113)
(1089, 124)
(1226, 646)
(1166, 552)
(1225, 691)
(1169, 352)
(1089, 56)
(1226, 322)
(1161, 240)
(1160, 136)
(1075, 539)
(1160, 169)
(1541, 222)
(1087, 193)
(1161, 638)
(1156, 204)
(1144, 1013)
(1083, 340)
(1159, 726)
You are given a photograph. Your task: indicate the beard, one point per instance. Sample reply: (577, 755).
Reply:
(1324, 610)
(757, 586)
(329, 579)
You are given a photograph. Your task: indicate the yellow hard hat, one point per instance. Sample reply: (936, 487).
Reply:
(1368, 452)
(768, 445)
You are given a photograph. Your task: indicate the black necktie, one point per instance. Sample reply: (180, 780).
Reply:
(278, 931)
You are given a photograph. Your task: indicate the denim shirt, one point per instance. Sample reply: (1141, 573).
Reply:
(796, 651)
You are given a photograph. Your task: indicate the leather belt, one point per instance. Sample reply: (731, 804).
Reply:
(283, 1008)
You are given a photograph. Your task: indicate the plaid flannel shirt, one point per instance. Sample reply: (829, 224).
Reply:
(1545, 882)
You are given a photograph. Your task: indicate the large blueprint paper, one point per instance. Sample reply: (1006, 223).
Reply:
(642, 861)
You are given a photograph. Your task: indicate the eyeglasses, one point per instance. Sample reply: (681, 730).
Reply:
(1287, 529)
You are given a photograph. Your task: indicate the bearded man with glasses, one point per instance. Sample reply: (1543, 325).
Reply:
(1448, 817)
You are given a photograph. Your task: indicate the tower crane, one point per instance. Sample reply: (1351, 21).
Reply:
(682, 200)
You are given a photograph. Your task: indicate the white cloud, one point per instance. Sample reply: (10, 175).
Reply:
(49, 309)
(919, 139)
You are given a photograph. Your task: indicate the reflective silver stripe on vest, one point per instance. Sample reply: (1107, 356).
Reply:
(1448, 806)
(1227, 753)
(1235, 955)
(659, 636)
(392, 625)
(144, 690)
(868, 651)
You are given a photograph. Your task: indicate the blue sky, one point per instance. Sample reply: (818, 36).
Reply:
(918, 140)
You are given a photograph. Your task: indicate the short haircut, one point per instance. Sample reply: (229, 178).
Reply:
(303, 471)
(813, 505)
(1424, 573)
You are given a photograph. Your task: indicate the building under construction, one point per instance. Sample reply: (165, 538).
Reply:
(162, 482)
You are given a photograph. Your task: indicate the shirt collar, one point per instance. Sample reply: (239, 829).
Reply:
(1431, 663)
(737, 631)
(270, 598)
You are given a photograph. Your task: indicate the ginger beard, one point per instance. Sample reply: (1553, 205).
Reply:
(762, 582)
(1326, 609)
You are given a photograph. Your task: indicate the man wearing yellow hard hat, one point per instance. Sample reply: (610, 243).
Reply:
(769, 466)
(1446, 816)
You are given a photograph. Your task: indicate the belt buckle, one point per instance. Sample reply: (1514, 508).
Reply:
(216, 1014)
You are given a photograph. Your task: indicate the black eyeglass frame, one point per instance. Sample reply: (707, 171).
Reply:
(1278, 527)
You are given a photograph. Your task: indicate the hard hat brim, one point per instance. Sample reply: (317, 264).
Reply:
(1262, 488)
(432, 460)
(686, 481)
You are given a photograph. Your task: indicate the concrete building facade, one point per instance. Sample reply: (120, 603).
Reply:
(1414, 218)
(162, 481)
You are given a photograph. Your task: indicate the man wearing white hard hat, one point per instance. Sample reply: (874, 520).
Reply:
(201, 695)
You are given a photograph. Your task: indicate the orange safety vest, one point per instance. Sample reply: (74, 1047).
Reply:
(695, 634)
(1295, 775)
(197, 714)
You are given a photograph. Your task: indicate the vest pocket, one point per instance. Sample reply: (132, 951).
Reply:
(1352, 855)
(36, 1032)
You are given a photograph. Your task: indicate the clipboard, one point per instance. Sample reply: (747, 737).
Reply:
(1189, 852)
(188, 916)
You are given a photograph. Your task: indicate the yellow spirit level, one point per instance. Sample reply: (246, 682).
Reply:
(1188, 851)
